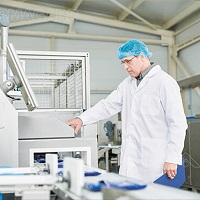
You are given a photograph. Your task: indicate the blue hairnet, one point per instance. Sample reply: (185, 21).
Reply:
(133, 48)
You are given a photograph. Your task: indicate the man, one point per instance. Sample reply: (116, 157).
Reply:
(153, 120)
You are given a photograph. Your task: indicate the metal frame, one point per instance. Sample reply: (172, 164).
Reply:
(85, 150)
(83, 56)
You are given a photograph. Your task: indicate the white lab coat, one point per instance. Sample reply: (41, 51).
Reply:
(153, 123)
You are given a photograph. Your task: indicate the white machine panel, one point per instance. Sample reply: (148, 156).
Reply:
(8, 133)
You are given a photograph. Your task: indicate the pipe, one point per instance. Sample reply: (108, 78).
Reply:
(4, 23)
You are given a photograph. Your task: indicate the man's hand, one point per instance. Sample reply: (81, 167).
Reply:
(76, 123)
(170, 169)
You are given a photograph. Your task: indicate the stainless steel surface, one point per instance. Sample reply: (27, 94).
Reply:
(32, 127)
(46, 124)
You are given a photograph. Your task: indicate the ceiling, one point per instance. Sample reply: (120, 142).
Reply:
(158, 17)
(162, 13)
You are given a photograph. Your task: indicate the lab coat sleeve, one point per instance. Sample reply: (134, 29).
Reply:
(176, 119)
(104, 108)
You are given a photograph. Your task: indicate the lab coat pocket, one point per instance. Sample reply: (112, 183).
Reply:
(150, 104)
(153, 153)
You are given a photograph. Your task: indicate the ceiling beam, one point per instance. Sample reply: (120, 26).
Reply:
(186, 27)
(76, 5)
(182, 15)
(74, 8)
(62, 14)
(41, 20)
(71, 27)
(134, 14)
(132, 6)
(184, 70)
(83, 37)
(187, 43)
(189, 82)
(29, 22)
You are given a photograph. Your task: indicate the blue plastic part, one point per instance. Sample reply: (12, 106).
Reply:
(60, 173)
(95, 187)
(60, 165)
(92, 173)
(123, 185)
(190, 117)
(87, 173)
(40, 160)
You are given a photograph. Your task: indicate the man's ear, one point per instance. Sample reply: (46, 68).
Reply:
(142, 57)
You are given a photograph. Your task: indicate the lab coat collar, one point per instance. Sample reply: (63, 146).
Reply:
(153, 71)
(150, 74)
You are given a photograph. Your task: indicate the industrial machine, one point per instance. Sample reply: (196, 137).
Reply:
(19, 80)
(45, 130)
(191, 154)
(60, 81)
(57, 83)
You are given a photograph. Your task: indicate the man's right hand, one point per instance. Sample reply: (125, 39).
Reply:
(76, 123)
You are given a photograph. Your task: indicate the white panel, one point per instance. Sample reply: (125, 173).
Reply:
(79, 92)
(70, 92)
(63, 95)
(2, 114)
(8, 134)
(57, 97)
(74, 169)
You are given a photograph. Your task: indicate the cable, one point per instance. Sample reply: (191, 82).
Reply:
(13, 98)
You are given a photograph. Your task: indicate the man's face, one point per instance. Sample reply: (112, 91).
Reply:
(132, 65)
